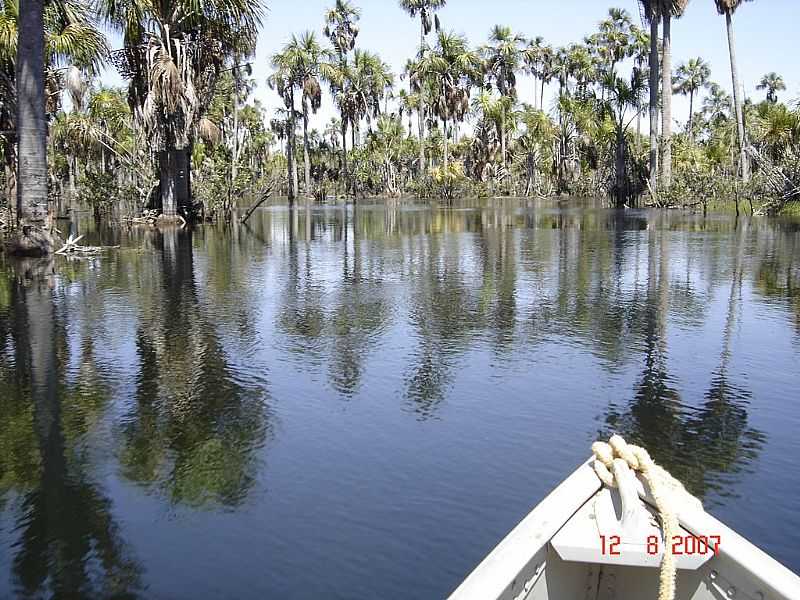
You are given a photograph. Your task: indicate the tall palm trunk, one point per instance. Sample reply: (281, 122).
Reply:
(737, 99)
(654, 103)
(32, 238)
(691, 112)
(306, 153)
(666, 114)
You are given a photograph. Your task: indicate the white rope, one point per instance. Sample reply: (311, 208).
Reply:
(667, 492)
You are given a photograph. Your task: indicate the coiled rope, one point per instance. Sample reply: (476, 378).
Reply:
(667, 492)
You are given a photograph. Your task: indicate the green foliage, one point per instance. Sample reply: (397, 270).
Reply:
(101, 191)
(452, 123)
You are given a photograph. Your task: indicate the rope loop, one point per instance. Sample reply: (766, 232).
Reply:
(668, 493)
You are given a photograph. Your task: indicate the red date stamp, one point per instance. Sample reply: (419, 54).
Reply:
(681, 544)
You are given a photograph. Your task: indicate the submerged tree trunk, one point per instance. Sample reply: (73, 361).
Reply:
(737, 99)
(32, 217)
(306, 153)
(291, 160)
(653, 109)
(619, 164)
(173, 170)
(666, 114)
(345, 175)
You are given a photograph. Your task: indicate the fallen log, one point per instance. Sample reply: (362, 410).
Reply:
(72, 248)
(263, 198)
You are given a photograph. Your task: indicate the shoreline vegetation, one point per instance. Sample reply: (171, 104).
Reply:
(184, 141)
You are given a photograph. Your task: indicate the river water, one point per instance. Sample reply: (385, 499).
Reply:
(362, 403)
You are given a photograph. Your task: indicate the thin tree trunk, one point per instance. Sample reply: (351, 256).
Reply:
(11, 180)
(291, 148)
(691, 110)
(72, 167)
(737, 99)
(421, 111)
(421, 118)
(666, 114)
(235, 162)
(541, 97)
(653, 108)
(621, 194)
(503, 139)
(32, 214)
(306, 154)
(344, 155)
(444, 138)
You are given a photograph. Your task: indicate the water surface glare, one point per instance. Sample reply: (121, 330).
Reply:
(362, 403)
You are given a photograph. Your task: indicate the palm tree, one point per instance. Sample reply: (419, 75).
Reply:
(502, 60)
(454, 67)
(689, 78)
(36, 38)
(717, 104)
(31, 132)
(532, 55)
(727, 8)
(773, 83)
(539, 135)
(284, 81)
(615, 37)
(341, 28)
(425, 9)
(639, 50)
(174, 53)
(667, 9)
(622, 95)
(306, 61)
(653, 16)
(365, 81)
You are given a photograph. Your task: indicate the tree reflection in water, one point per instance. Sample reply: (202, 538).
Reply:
(68, 543)
(193, 429)
(707, 446)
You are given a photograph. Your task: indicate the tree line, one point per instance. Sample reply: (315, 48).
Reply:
(184, 138)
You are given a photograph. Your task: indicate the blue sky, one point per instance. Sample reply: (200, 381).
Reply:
(766, 35)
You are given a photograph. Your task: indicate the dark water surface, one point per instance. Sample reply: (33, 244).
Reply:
(361, 404)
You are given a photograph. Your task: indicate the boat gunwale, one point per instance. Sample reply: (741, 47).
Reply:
(504, 572)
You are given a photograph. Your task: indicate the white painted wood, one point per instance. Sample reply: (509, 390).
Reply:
(579, 539)
(503, 573)
(525, 566)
